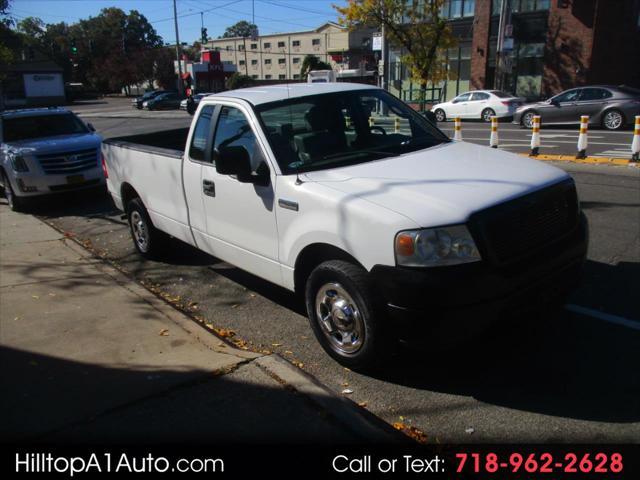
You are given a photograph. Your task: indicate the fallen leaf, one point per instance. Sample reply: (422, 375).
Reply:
(235, 305)
(35, 296)
(345, 384)
(17, 318)
(164, 332)
(410, 431)
(289, 352)
(362, 404)
(276, 344)
(347, 391)
(469, 430)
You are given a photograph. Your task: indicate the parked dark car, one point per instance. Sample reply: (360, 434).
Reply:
(196, 100)
(610, 107)
(138, 102)
(166, 101)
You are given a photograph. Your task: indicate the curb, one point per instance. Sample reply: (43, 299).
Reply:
(363, 423)
(590, 160)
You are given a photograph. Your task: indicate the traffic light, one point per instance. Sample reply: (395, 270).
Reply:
(203, 35)
(74, 48)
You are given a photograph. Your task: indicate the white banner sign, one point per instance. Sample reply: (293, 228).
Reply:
(43, 85)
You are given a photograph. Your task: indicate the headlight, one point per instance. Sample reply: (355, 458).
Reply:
(432, 247)
(144, 104)
(18, 164)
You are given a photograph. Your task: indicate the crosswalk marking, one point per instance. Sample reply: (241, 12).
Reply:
(617, 153)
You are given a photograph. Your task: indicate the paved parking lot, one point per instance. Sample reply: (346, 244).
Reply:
(570, 376)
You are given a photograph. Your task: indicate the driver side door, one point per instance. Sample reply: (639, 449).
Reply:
(240, 218)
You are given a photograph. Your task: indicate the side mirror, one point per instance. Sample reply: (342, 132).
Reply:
(554, 102)
(429, 115)
(236, 161)
(91, 127)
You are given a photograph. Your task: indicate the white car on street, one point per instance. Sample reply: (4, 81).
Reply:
(385, 234)
(478, 104)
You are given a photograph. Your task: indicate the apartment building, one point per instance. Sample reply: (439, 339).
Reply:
(280, 56)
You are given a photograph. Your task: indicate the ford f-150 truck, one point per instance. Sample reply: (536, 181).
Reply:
(346, 195)
(44, 151)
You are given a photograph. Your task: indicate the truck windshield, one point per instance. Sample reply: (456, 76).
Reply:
(336, 129)
(28, 127)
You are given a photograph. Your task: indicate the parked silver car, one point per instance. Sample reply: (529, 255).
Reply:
(610, 107)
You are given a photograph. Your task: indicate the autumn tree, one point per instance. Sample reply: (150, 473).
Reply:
(417, 27)
(311, 62)
(241, 29)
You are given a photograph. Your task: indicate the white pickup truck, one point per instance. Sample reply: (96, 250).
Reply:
(344, 194)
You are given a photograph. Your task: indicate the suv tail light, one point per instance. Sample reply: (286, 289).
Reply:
(104, 166)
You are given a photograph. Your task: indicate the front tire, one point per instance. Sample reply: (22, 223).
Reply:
(613, 120)
(147, 239)
(527, 119)
(16, 204)
(346, 315)
(486, 114)
(441, 116)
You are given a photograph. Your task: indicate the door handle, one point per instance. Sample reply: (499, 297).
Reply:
(209, 188)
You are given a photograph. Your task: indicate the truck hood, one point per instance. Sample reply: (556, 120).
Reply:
(441, 185)
(61, 143)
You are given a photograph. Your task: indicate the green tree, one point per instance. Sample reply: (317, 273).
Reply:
(311, 62)
(241, 29)
(417, 27)
(238, 80)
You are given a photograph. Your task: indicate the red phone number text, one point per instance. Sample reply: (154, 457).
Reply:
(540, 463)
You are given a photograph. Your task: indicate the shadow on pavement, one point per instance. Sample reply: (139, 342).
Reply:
(62, 401)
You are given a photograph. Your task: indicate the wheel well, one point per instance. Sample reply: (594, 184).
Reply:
(313, 255)
(128, 193)
(530, 110)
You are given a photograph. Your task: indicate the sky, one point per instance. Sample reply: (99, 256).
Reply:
(270, 15)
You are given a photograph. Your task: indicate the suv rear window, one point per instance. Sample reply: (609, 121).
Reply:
(27, 127)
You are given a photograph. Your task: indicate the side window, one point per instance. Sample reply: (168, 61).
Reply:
(570, 96)
(462, 98)
(594, 94)
(200, 135)
(479, 96)
(233, 130)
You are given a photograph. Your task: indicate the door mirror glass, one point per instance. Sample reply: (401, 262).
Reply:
(237, 161)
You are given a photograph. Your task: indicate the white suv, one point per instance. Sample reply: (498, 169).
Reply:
(46, 150)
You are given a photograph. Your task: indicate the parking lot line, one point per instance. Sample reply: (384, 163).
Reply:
(607, 317)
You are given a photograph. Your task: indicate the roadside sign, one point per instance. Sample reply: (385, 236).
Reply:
(376, 44)
(380, 67)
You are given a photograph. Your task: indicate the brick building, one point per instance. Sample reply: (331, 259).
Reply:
(557, 44)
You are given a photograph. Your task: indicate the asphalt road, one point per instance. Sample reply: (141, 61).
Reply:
(568, 377)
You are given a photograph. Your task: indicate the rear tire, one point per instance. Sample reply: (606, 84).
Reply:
(613, 120)
(147, 240)
(486, 114)
(441, 116)
(346, 315)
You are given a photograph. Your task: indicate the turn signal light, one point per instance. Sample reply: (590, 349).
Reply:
(405, 245)
(104, 167)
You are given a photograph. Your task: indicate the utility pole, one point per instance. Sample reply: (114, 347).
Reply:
(499, 76)
(175, 21)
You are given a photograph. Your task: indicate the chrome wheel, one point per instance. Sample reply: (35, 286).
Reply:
(440, 115)
(339, 318)
(613, 120)
(527, 119)
(140, 231)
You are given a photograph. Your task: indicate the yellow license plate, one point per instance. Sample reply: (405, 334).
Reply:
(75, 179)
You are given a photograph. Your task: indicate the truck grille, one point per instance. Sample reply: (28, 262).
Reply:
(67, 163)
(522, 227)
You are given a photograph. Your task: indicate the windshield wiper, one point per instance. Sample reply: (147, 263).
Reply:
(357, 152)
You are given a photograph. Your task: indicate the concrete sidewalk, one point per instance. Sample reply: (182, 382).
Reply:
(89, 356)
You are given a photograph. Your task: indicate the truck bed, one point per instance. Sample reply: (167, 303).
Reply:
(151, 165)
(166, 142)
